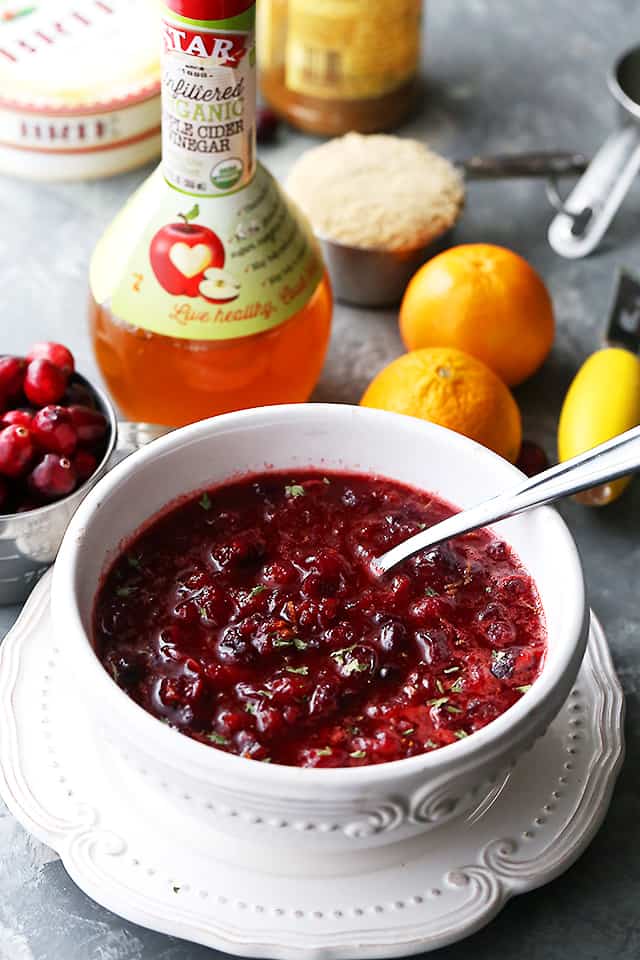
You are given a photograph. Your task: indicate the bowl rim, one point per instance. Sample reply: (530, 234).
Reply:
(180, 751)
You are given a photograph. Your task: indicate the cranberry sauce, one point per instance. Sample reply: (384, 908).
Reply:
(247, 618)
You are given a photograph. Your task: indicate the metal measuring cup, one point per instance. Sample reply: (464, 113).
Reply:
(585, 215)
(371, 277)
(29, 541)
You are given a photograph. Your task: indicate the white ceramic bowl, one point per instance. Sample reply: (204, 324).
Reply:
(313, 809)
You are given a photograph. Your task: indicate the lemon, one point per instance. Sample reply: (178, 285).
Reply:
(603, 401)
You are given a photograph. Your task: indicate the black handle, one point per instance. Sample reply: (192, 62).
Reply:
(540, 164)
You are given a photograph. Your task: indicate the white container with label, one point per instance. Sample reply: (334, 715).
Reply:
(79, 87)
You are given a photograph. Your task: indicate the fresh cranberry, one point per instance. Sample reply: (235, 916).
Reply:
(54, 431)
(53, 477)
(12, 370)
(532, 459)
(78, 394)
(24, 504)
(21, 418)
(16, 450)
(267, 123)
(90, 425)
(44, 383)
(84, 464)
(56, 354)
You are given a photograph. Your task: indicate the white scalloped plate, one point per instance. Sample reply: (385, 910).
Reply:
(132, 853)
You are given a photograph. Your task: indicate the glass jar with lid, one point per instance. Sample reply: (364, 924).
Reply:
(331, 66)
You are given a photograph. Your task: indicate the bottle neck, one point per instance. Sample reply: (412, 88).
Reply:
(208, 96)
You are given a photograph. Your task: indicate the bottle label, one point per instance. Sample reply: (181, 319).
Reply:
(207, 269)
(209, 248)
(208, 97)
(351, 49)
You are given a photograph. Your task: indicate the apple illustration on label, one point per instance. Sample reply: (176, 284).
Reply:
(219, 286)
(180, 253)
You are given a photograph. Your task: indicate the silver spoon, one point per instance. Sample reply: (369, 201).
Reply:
(606, 462)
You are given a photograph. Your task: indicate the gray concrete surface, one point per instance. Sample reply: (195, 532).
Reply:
(500, 75)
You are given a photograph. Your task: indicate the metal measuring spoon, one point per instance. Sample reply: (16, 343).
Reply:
(606, 462)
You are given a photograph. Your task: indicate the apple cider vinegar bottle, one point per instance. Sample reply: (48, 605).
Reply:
(208, 292)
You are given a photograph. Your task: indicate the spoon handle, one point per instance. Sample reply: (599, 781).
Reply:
(608, 461)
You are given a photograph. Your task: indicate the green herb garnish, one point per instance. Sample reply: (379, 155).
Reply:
(324, 751)
(205, 501)
(339, 655)
(457, 686)
(294, 490)
(430, 592)
(452, 709)
(525, 688)
(440, 686)
(460, 734)
(437, 702)
(358, 754)
(280, 642)
(251, 708)
(451, 670)
(133, 562)
(407, 733)
(500, 656)
(256, 591)
(303, 671)
(218, 739)
(430, 744)
(125, 591)
(299, 643)
(353, 666)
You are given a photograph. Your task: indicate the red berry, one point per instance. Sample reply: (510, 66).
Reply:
(77, 393)
(44, 382)
(84, 463)
(53, 477)
(267, 123)
(532, 459)
(56, 354)
(16, 450)
(25, 503)
(12, 370)
(90, 425)
(54, 431)
(21, 418)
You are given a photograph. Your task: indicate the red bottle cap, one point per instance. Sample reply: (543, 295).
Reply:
(209, 9)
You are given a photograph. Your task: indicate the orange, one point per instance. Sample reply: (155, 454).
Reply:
(453, 389)
(485, 300)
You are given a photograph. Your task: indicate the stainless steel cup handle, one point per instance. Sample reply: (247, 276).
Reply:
(540, 163)
(132, 436)
(585, 215)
